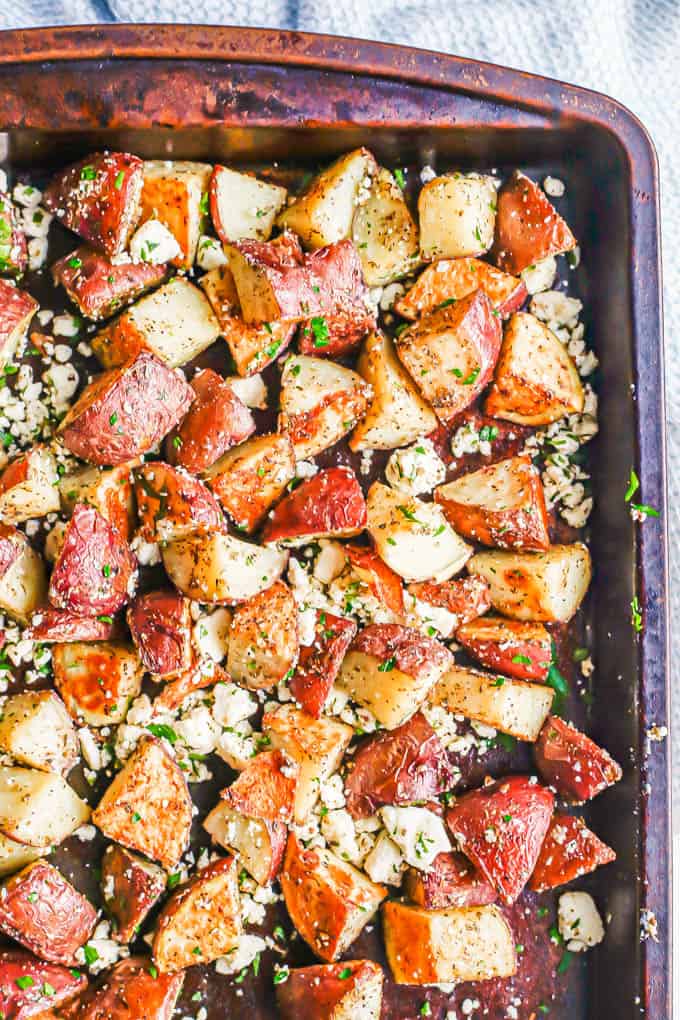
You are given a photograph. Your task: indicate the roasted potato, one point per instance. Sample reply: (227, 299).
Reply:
(451, 353)
(317, 745)
(271, 280)
(147, 807)
(501, 828)
(319, 663)
(539, 586)
(427, 947)
(383, 583)
(36, 730)
(37, 808)
(14, 856)
(160, 625)
(320, 402)
(17, 308)
(513, 647)
(201, 921)
(29, 987)
(175, 692)
(457, 214)
(108, 490)
(528, 227)
(173, 504)
(536, 382)
(95, 571)
(351, 990)
(329, 901)
(13, 246)
(385, 233)
(572, 763)
(511, 706)
(99, 199)
(569, 851)
(263, 639)
(391, 669)
(250, 478)
(397, 414)
(132, 991)
(328, 505)
(126, 411)
(175, 192)
(449, 280)
(28, 486)
(23, 585)
(99, 287)
(502, 505)
(97, 680)
(466, 598)
(55, 625)
(42, 911)
(130, 887)
(220, 568)
(216, 421)
(451, 882)
(243, 206)
(412, 537)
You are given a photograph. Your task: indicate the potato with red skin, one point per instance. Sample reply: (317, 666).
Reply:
(109, 490)
(131, 886)
(160, 625)
(328, 505)
(131, 991)
(449, 280)
(451, 882)
(407, 765)
(569, 851)
(528, 227)
(319, 663)
(95, 572)
(99, 287)
(29, 987)
(13, 247)
(216, 421)
(350, 990)
(242, 206)
(42, 910)
(501, 505)
(516, 648)
(501, 828)
(466, 597)
(97, 680)
(171, 503)
(17, 308)
(250, 478)
(23, 585)
(574, 764)
(99, 199)
(28, 485)
(384, 584)
(55, 625)
(126, 411)
(451, 353)
(343, 318)
(264, 640)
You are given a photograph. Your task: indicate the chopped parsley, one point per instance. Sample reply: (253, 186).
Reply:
(399, 178)
(320, 331)
(120, 177)
(90, 953)
(88, 173)
(633, 486)
(636, 615)
(26, 981)
(388, 665)
(521, 660)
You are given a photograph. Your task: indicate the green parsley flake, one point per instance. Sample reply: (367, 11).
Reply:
(320, 331)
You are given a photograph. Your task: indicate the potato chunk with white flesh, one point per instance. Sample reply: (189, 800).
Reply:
(14, 856)
(456, 944)
(412, 537)
(36, 730)
(220, 568)
(457, 214)
(173, 193)
(535, 382)
(38, 809)
(317, 745)
(108, 490)
(263, 641)
(28, 486)
(385, 233)
(97, 679)
(548, 586)
(148, 807)
(251, 477)
(325, 210)
(397, 415)
(320, 402)
(512, 706)
(243, 206)
(175, 323)
(329, 901)
(349, 990)
(23, 584)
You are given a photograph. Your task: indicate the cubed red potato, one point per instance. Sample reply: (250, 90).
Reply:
(466, 597)
(501, 505)
(449, 280)
(343, 317)
(175, 193)
(131, 886)
(36, 730)
(23, 585)
(251, 818)
(29, 987)
(99, 199)
(243, 206)
(328, 505)
(451, 353)
(28, 486)
(569, 851)
(501, 828)
(350, 990)
(132, 990)
(160, 625)
(270, 279)
(171, 503)
(126, 411)
(251, 477)
(216, 421)
(38, 809)
(13, 247)
(109, 490)
(451, 882)
(55, 625)
(97, 680)
(407, 765)
(528, 227)
(95, 572)
(513, 647)
(319, 663)
(329, 901)
(384, 584)
(263, 639)
(99, 287)
(390, 670)
(500, 702)
(45, 913)
(574, 764)
(17, 308)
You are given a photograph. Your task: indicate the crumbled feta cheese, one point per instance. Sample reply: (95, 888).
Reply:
(237, 747)
(541, 275)
(307, 626)
(385, 863)
(415, 469)
(210, 253)
(103, 951)
(554, 187)
(331, 792)
(37, 252)
(35, 222)
(424, 617)
(211, 634)
(427, 174)
(250, 390)
(649, 926)
(232, 704)
(419, 833)
(25, 195)
(45, 316)
(337, 828)
(154, 243)
(65, 325)
(248, 947)
(199, 730)
(148, 553)
(63, 381)
(556, 309)
(305, 469)
(579, 922)
(467, 439)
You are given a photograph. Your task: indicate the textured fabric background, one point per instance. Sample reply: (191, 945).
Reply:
(629, 49)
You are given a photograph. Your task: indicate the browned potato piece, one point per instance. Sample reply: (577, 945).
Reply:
(97, 680)
(160, 625)
(36, 730)
(448, 280)
(17, 308)
(528, 227)
(132, 991)
(457, 213)
(28, 486)
(350, 990)
(221, 568)
(108, 490)
(263, 641)
(251, 477)
(243, 206)
(38, 809)
(173, 193)
(23, 585)
(130, 886)
(385, 233)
